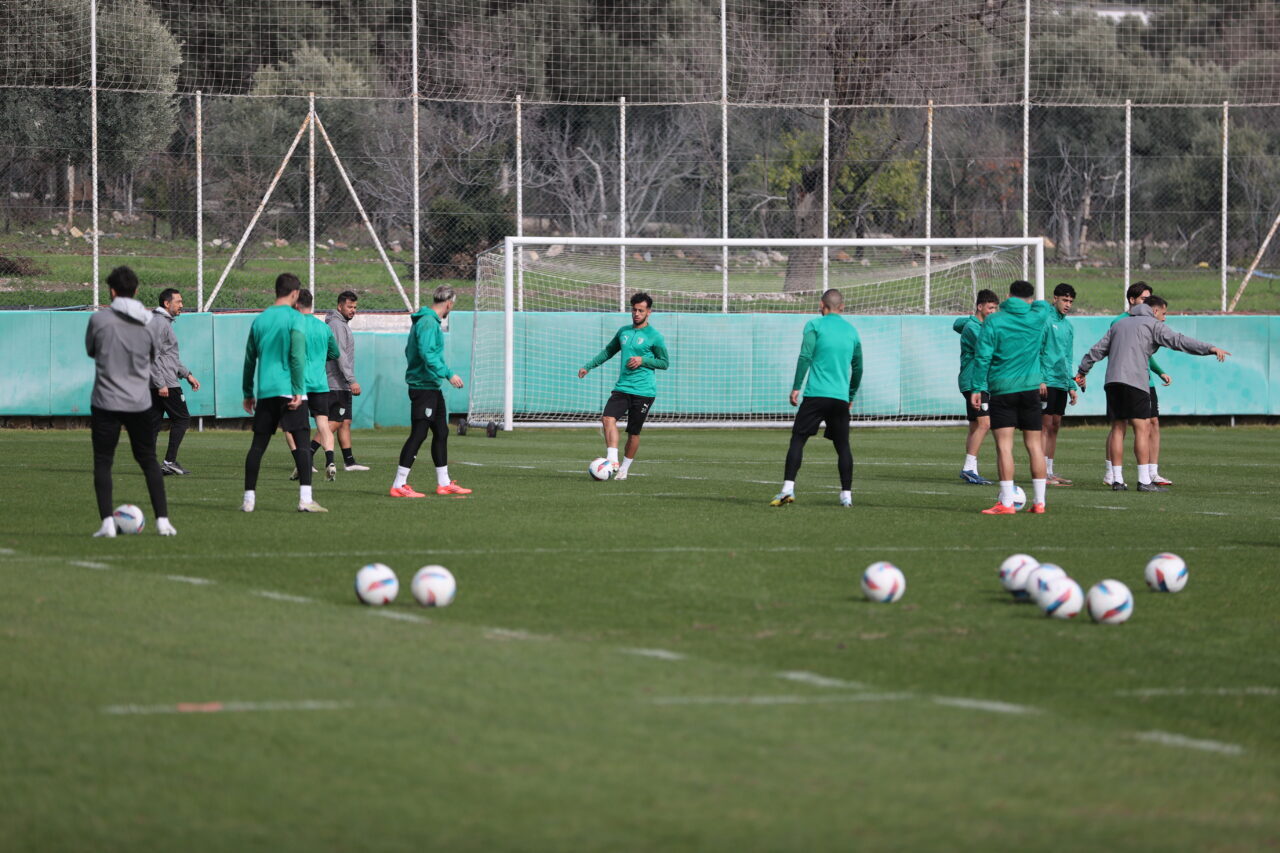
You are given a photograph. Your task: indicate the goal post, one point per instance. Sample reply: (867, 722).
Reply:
(545, 306)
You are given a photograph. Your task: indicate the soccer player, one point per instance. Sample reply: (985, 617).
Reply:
(1010, 363)
(427, 411)
(1128, 346)
(342, 379)
(122, 345)
(979, 421)
(167, 373)
(1058, 377)
(644, 350)
(831, 358)
(277, 352)
(321, 346)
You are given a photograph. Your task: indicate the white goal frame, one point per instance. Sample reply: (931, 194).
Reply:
(511, 244)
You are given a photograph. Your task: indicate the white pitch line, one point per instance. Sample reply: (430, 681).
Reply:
(984, 705)
(1170, 739)
(1201, 691)
(232, 707)
(816, 680)
(7, 551)
(922, 492)
(185, 579)
(1110, 507)
(281, 596)
(781, 699)
(660, 654)
(399, 617)
(90, 564)
(1207, 512)
(509, 634)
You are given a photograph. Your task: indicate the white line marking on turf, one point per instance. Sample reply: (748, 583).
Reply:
(782, 699)
(984, 705)
(7, 551)
(1170, 739)
(185, 579)
(509, 634)
(921, 492)
(660, 654)
(280, 596)
(1207, 512)
(1110, 507)
(819, 680)
(1201, 691)
(90, 564)
(400, 617)
(219, 707)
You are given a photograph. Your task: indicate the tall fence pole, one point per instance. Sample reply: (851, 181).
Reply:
(1226, 142)
(1026, 129)
(1128, 190)
(520, 200)
(417, 176)
(826, 192)
(928, 207)
(622, 203)
(724, 154)
(93, 120)
(311, 193)
(199, 200)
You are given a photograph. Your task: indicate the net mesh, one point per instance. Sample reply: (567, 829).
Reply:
(733, 346)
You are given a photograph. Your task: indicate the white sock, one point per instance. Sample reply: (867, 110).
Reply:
(304, 494)
(1144, 475)
(626, 464)
(971, 463)
(402, 477)
(1037, 488)
(442, 475)
(788, 487)
(611, 453)
(1048, 466)
(846, 495)
(1155, 471)
(1006, 492)
(250, 496)
(1117, 473)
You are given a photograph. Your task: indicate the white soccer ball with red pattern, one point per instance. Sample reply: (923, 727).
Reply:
(1166, 573)
(434, 586)
(129, 519)
(1015, 571)
(1110, 602)
(883, 582)
(376, 584)
(600, 469)
(1039, 577)
(1063, 599)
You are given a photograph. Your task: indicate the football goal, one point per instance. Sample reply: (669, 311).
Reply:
(732, 312)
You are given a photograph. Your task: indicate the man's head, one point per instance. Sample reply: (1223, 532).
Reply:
(287, 287)
(171, 301)
(306, 301)
(347, 303)
(986, 305)
(1022, 290)
(1064, 295)
(832, 301)
(123, 282)
(641, 307)
(1159, 306)
(442, 300)
(1137, 292)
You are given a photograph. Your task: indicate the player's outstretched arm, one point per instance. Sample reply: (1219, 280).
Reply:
(1167, 337)
(610, 350)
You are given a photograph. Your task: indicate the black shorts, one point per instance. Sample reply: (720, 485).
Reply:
(318, 403)
(635, 409)
(274, 413)
(1020, 409)
(1155, 403)
(1056, 402)
(175, 405)
(427, 404)
(1124, 402)
(815, 410)
(339, 405)
(973, 414)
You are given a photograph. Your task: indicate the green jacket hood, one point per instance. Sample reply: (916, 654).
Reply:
(422, 312)
(960, 323)
(1016, 305)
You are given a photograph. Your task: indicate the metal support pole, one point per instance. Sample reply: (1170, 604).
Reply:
(1226, 140)
(508, 339)
(520, 196)
(928, 207)
(311, 193)
(199, 200)
(622, 203)
(417, 176)
(1128, 189)
(724, 154)
(93, 120)
(1026, 128)
(826, 192)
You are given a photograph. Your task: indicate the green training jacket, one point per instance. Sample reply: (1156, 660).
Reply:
(1011, 352)
(276, 353)
(425, 352)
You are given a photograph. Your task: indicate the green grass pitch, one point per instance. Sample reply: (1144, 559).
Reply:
(665, 663)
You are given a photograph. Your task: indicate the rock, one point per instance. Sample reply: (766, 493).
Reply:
(117, 216)
(339, 245)
(280, 242)
(1203, 265)
(555, 251)
(1146, 266)
(777, 257)
(267, 244)
(636, 256)
(394, 246)
(842, 255)
(680, 254)
(865, 262)
(758, 256)
(216, 241)
(76, 232)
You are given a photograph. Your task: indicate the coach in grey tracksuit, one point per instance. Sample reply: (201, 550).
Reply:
(342, 377)
(1127, 346)
(122, 344)
(167, 373)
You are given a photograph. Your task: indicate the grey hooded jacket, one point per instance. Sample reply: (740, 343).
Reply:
(1129, 343)
(122, 344)
(167, 370)
(341, 370)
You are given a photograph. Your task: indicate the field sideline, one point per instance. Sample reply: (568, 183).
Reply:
(661, 663)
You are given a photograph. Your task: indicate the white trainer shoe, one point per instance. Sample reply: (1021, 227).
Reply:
(355, 467)
(165, 528)
(621, 475)
(311, 506)
(107, 530)
(247, 506)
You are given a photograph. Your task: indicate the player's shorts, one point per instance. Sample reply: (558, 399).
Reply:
(175, 405)
(1056, 402)
(318, 403)
(1155, 402)
(427, 404)
(630, 406)
(1124, 402)
(339, 405)
(274, 413)
(973, 414)
(1020, 409)
(815, 410)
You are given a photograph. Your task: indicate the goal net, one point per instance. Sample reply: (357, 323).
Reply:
(732, 313)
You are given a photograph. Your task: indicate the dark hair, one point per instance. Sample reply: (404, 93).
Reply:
(123, 281)
(1157, 301)
(1022, 289)
(986, 296)
(642, 297)
(167, 294)
(347, 296)
(305, 299)
(1136, 289)
(286, 283)
(1065, 289)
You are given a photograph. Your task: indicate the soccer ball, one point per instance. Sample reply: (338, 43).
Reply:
(376, 584)
(1166, 573)
(129, 519)
(1062, 599)
(1038, 579)
(1019, 498)
(883, 582)
(1015, 571)
(600, 469)
(1109, 602)
(434, 586)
